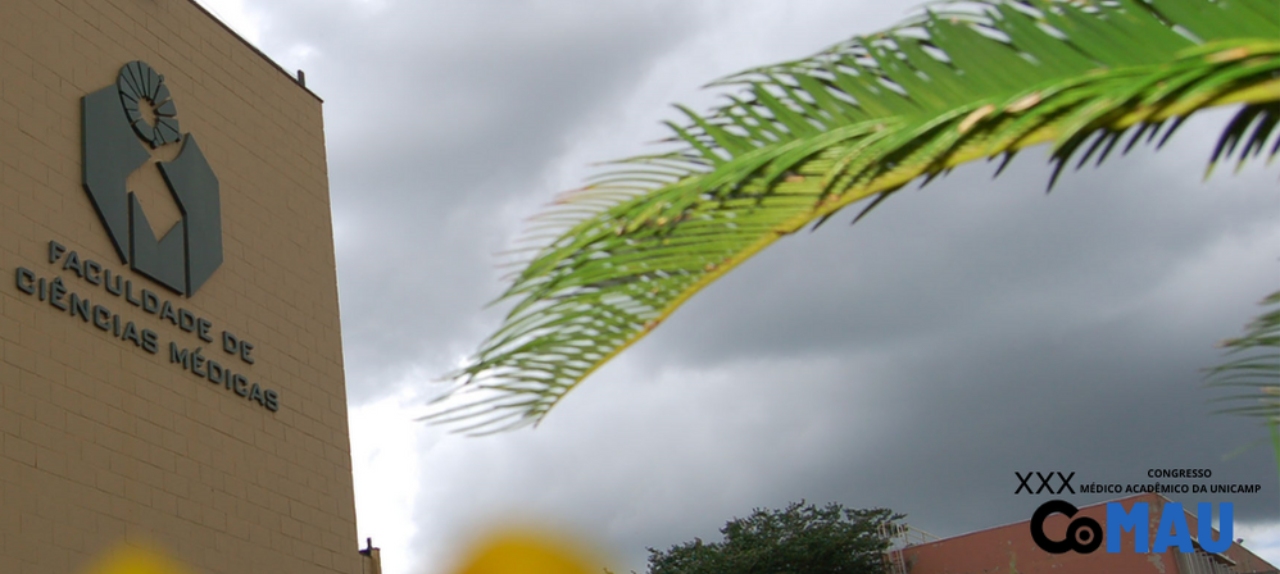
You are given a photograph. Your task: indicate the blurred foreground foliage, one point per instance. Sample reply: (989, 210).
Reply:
(1253, 371)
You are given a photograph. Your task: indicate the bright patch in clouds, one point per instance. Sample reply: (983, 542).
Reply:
(1261, 539)
(386, 457)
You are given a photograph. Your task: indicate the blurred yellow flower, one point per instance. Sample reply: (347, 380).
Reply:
(509, 552)
(133, 560)
(524, 552)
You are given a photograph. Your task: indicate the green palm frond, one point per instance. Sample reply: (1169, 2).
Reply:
(796, 142)
(1254, 372)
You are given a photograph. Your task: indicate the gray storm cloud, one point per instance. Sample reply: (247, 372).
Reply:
(959, 334)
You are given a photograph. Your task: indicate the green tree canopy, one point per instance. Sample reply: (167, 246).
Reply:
(799, 539)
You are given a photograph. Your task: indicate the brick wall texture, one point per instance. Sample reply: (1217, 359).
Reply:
(102, 442)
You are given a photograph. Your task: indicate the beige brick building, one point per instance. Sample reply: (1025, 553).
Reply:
(186, 392)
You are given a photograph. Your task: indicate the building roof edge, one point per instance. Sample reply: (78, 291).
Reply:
(255, 49)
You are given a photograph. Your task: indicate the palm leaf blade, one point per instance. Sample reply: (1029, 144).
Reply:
(808, 138)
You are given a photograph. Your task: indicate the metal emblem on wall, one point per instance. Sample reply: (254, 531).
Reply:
(115, 133)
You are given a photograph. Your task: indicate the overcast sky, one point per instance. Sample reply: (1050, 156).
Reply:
(916, 361)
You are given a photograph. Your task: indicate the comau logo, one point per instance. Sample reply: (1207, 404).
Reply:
(1084, 535)
(118, 130)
